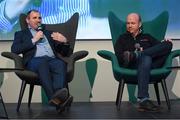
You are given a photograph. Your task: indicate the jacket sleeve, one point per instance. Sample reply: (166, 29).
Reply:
(118, 48)
(22, 43)
(62, 48)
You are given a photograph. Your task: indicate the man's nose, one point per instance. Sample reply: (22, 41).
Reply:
(39, 20)
(130, 25)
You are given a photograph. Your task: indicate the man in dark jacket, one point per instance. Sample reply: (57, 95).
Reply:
(143, 52)
(39, 48)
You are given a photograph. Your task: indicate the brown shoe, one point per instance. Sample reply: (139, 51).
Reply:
(148, 106)
(66, 104)
(59, 97)
(55, 102)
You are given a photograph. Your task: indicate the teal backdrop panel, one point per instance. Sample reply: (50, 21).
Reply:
(91, 68)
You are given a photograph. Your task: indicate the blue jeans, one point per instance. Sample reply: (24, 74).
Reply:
(153, 57)
(51, 71)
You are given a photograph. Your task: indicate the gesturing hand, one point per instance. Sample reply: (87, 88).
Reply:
(58, 37)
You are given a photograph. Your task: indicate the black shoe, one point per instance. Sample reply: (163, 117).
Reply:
(148, 105)
(59, 97)
(61, 107)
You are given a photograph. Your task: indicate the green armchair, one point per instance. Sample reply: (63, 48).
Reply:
(157, 28)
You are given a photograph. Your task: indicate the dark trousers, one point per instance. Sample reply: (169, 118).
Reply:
(153, 57)
(51, 71)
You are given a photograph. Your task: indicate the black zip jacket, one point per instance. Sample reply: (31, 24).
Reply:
(126, 42)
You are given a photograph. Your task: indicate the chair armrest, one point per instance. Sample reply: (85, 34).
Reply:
(172, 55)
(18, 61)
(117, 70)
(71, 62)
(74, 57)
(109, 56)
(78, 55)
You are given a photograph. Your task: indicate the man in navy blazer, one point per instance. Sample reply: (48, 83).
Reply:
(39, 48)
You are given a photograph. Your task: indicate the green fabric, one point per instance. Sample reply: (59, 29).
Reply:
(1, 78)
(157, 28)
(44, 97)
(91, 68)
(131, 92)
(37, 3)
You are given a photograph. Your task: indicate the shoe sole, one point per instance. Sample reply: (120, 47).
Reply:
(52, 103)
(67, 104)
(61, 94)
(147, 110)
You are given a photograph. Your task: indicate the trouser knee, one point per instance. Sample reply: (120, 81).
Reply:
(168, 44)
(144, 60)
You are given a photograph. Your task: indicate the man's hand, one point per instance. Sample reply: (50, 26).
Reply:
(167, 39)
(58, 37)
(141, 48)
(38, 36)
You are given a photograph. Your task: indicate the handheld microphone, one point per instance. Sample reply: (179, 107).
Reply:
(137, 47)
(39, 28)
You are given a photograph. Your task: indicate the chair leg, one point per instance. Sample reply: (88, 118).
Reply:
(119, 94)
(67, 86)
(23, 86)
(163, 83)
(30, 94)
(6, 115)
(157, 93)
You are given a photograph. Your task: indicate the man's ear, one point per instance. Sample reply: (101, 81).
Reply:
(27, 21)
(140, 24)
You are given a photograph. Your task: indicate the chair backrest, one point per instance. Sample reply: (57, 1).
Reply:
(69, 28)
(156, 27)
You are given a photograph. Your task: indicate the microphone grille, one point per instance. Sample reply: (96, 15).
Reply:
(39, 26)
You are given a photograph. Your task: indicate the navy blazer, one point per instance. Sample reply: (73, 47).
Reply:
(22, 44)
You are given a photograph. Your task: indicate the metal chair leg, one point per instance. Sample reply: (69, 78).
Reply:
(157, 93)
(23, 86)
(6, 115)
(163, 83)
(119, 94)
(30, 95)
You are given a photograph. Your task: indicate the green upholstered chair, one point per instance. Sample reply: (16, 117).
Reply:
(157, 28)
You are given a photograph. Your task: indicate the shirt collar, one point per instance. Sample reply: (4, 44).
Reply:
(30, 28)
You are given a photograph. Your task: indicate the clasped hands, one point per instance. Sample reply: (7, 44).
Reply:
(167, 39)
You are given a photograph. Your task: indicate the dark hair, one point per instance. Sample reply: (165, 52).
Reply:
(140, 20)
(29, 12)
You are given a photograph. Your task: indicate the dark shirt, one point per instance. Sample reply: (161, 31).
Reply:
(126, 42)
